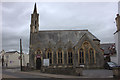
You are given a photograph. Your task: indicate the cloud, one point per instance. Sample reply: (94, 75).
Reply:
(98, 18)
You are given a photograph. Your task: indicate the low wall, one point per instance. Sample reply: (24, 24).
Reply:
(66, 71)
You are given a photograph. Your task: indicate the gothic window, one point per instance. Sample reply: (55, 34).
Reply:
(70, 58)
(49, 56)
(38, 52)
(91, 55)
(81, 56)
(60, 57)
(86, 46)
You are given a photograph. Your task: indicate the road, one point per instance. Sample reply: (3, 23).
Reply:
(18, 74)
(100, 73)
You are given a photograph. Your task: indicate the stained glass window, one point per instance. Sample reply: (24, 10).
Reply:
(81, 56)
(91, 54)
(70, 58)
(60, 58)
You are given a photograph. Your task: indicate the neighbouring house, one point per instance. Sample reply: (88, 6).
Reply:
(109, 51)
(11, 59)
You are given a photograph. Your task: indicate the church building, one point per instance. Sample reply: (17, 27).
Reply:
(63, 48)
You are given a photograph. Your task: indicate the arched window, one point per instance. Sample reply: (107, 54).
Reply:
(70, 57)
(49, 56)
(60, 57)
(81, 56)
(38, 52)
(91, 56)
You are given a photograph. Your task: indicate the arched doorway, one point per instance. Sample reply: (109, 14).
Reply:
(38, 63)
(38, 59)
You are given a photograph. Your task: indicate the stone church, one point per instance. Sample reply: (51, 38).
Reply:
(63, 48)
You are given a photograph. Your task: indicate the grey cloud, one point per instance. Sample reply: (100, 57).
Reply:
(98, 18)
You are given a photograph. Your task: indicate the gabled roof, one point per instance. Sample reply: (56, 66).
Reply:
(106, 47)
(54, 36)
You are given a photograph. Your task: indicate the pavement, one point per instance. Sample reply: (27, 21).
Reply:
(99, 73)
(86, 74)
(52, 75)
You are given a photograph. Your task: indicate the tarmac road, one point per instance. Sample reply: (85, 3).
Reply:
(17, 74)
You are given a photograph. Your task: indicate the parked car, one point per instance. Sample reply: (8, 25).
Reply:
(110, 65)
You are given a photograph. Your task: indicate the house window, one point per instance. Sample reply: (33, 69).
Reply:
(81, 56)
(70, 58)
(91, 55)
(60, 58)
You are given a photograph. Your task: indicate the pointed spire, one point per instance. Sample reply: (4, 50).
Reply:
(35, 8)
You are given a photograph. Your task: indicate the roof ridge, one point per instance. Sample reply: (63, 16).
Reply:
(107, 43)
(62, 30)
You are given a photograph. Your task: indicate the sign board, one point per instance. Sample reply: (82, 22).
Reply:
(45, 62)
(11, 61)
(82, 66)
(38, 56)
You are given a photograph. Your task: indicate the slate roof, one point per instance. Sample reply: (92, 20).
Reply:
(64, 36)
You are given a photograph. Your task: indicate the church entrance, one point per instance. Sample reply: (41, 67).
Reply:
(38, 63)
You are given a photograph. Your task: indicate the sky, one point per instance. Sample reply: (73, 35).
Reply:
(97, 17)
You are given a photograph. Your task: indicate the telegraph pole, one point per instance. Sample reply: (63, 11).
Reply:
(21, 54)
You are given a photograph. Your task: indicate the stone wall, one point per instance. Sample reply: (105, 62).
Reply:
(66, 71)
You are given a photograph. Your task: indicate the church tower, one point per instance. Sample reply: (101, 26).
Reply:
(34, 27)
